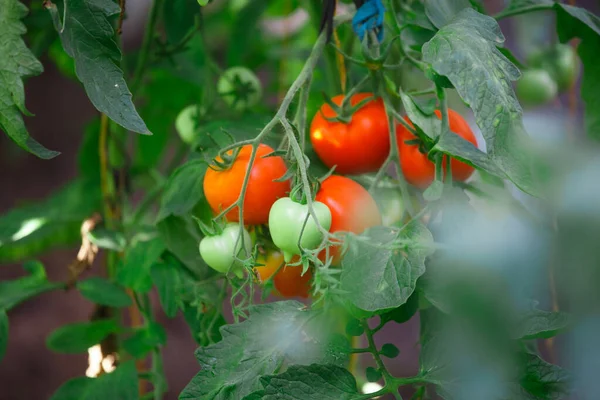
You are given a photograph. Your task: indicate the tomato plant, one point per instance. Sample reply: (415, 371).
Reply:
(343, 144)
(299, 148)
(416, 166)
(222, 187)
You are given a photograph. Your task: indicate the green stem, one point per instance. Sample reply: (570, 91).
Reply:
(524, 10)
(142, 59)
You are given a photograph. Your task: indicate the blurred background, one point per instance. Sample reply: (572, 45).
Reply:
(62, 110)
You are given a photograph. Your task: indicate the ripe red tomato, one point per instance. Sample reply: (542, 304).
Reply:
(352, 208)
(222, 187)
(418, 170)
(359, 146)
(290, 282)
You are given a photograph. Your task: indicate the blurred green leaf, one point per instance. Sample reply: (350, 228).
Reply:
(310, 382)
(405, 312)
(184, 189)
(241, 44)
(166, 279)
(102, 291)
(106, 239)
(544, 380)
(120, 384)
(179, 18)
(538, 324)
(134, 271)
(88, 157)
(145, 339)
(273, 333)
(372, 374)
(430, 124)
(32, 229)
(199, 319)
(87, 35)
(381, 267)
(440, 12)
(79, 337)
(470, 40)
(14, 292)
(73, 389)
(577, 22)
(3, 333)
(17, 63)
(518, 6)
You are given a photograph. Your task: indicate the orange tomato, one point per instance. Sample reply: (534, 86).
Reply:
(352, 207)
(222, 187)
(360, 146)
(289, 281)
(418, 170)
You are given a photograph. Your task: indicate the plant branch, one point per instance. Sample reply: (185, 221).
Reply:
(142, 60)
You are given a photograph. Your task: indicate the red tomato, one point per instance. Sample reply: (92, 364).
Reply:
(290, 282)
(359, 146)
(418, 170)
(352, 208)
(222, 187)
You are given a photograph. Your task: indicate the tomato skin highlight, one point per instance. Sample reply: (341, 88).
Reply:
(222, 187)
(286, 220)
(358, 147)
(417, 169)
(352, 207)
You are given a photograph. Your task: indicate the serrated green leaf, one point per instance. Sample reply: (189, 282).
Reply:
(87, 35)
(465, 51)
(29, 230)
(430, 124)
(3, 333)
(144, 340)
(274, 333)
(78, 337)
(134, 271)
(166, 280)
(326, 382)
(106, 239)
(538, 324)
(16, 63)
(73, 389)
(440, 12)
(577, 22)
(14, 292)
(381, 266)
(184, 189)
(102, 291)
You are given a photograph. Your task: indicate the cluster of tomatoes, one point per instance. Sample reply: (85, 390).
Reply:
(356, 146)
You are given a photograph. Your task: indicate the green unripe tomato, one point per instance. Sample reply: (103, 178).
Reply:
(186, 123)
(240, 88)
(391, 206)
(561, 62)
(536, 87)
(286, 220)
(219, 252)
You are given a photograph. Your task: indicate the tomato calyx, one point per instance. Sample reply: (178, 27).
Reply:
(345, 110)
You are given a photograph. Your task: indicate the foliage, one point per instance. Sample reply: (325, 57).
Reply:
(216, 90)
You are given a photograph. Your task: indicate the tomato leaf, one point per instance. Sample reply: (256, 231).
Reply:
(166, 279)
(3, 333)
(14, 292)
(430, 124)
(577, 22)
(522, 6)
(544, 380)
(73, 389)
(179, 18)
(441, 12)
(470, 40)
(274, 333)
(134, 271)
(32, 229)
(87, 35)
(184, 189)
(181, 238)
(106, 239)
(378, 272)
(102, 291)
(78, 337)
(310, 382)
(144, 340)
(16, 63)
(538, 324)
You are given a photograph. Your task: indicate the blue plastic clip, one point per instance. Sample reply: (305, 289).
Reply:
(369, 17)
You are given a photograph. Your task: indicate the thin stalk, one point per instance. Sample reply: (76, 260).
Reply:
(142, 61)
